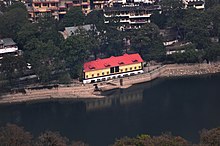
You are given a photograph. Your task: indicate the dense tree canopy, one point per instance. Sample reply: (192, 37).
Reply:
(147, 42)
(12, 21)
(210, 137)
(73, 17)
(44, 57)
(13, 135)
(12, 66)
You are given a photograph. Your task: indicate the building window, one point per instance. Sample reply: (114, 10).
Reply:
(97, 74)
(139, 67)
(92, 75)
(87, 76)
(44, 4)
(117, 69)
(112, 70)
(135, 67)
(121, 70)
(84, 6)
(130, 68)
(107, 72)
(52, 4)
(126, 69)
(103, 73)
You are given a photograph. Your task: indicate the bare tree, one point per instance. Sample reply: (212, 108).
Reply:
(12, 135)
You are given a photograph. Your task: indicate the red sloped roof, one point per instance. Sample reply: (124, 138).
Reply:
(112, 62)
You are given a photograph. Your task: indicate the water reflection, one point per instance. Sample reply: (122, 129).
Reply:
(119, 97)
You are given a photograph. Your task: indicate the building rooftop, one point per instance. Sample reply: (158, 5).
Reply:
(113, 61)
(71, 30)
(7, 42)
(196, 3)
(178, 46)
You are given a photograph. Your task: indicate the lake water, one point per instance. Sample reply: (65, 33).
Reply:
(182, 106)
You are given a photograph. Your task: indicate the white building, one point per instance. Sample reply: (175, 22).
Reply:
(130, 17)
(8, 46)
(198, 4)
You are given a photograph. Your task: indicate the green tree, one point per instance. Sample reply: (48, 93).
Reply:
(214, 16)
(16, 5)
(212, 53)
(148, 42)
(73, 17)
(175, 21)
(211, 3)
(159, 19)
(171, 4)
(46, 29)
(12, 21)
(27, 32)
(191, 55)
(12, 66)
(96, 17)
(112, 44)
(75, 51)
(65, 78)
(195, 24)
(44, 58)
(2, 7)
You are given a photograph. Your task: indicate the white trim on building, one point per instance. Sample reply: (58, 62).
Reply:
(113, 76)
(8, 50)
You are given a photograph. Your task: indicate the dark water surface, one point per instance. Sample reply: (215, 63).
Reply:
(182, 106)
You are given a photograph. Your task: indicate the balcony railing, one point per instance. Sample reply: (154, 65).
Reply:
(46, 1)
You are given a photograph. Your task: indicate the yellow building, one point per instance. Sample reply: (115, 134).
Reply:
(113, 67)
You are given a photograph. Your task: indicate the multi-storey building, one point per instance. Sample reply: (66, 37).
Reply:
(198, 4)
(55, 8)
(130, 16)
(86, 6)
(43, 8)
(134, 1)
(8, 47)
(100, 4)
(113, 67)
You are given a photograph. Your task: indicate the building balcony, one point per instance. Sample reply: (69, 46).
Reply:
(125, 21)
(98, 2)
(128, 15)
(42, 10)
(140, 16)
(85, 3)
(62, 13)
(116, 15)
(45, 1)
(76, 5)
(138, 22)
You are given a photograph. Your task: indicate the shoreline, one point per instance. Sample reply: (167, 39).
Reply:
(87, 91)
